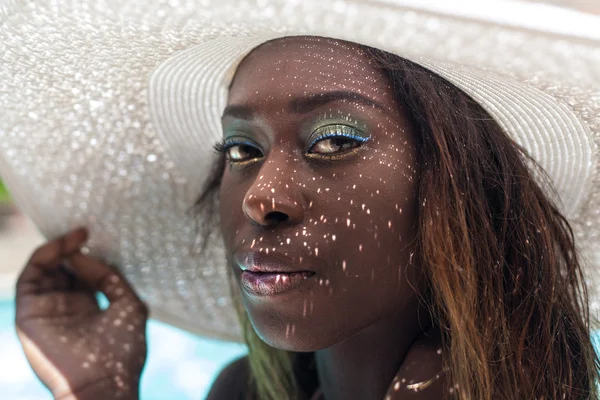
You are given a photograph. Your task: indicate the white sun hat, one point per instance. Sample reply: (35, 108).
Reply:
(109, 110)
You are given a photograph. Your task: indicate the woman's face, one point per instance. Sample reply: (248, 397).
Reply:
(318, 200)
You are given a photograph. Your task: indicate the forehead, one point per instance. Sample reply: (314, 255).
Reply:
(308, 65)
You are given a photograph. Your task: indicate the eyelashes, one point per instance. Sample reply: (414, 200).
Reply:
(335, 141)
(337, 131)
(238, 150)
(328, 142)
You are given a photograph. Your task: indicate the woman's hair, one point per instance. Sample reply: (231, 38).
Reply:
(505, 280)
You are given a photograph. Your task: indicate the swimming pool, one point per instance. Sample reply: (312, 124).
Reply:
(180, 366)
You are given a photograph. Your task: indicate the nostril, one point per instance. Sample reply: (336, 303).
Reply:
(276, 217)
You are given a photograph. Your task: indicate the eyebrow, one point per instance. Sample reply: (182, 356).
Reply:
(304, 104)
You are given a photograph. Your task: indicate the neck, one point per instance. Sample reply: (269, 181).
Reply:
(364, 365)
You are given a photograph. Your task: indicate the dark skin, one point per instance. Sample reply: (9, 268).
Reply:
(77, 350)
(343, 209)
(326, 178)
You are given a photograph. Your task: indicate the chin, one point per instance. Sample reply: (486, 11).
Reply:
(284, 329)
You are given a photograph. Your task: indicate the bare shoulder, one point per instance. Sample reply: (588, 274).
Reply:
(421, 375)
(232, 382)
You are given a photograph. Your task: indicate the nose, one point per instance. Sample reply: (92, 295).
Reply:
(269, 208)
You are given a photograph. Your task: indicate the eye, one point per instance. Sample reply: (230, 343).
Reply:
(242, 152)
(334, 145)
(336, 139)
(238, 150)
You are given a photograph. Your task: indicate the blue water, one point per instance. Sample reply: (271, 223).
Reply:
(180, 366)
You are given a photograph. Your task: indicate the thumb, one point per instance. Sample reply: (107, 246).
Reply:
(43, 367)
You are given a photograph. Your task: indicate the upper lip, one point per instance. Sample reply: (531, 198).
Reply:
(254, 261)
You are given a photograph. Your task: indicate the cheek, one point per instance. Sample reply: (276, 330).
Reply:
(374, 223)
(374, 234)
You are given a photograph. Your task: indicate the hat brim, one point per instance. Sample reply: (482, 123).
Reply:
(136, 97)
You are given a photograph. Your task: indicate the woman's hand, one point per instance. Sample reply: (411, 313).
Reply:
(76, 349)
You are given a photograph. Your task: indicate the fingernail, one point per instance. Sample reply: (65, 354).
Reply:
(79, 233)
(67, 265)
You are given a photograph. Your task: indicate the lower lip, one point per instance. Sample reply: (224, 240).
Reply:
(269, 284)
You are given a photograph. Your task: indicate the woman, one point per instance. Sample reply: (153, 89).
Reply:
(386, 239)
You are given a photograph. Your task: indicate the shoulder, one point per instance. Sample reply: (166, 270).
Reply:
(232, 382)
(422, 374)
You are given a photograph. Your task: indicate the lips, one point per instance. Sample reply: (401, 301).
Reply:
(269, 274)
(255, 261)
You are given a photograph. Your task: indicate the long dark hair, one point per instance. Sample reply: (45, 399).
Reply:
(506, 282)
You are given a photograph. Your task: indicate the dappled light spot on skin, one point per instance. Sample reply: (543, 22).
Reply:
(47, 371)
(328, 187)
(80, 341)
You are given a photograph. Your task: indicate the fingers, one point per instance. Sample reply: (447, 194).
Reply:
(53, 252)
(43, 271)
(61, 304)
(35, 281)
(101, 277)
